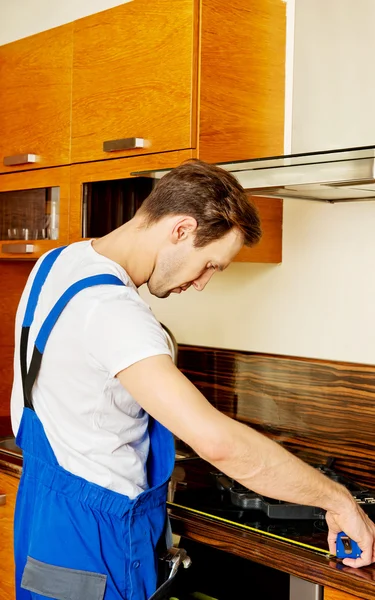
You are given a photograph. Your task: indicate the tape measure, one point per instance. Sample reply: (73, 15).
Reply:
(346, 547)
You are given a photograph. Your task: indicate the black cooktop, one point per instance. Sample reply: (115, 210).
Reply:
(200, 489)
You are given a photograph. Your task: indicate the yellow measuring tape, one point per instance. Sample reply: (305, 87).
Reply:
(272, 535)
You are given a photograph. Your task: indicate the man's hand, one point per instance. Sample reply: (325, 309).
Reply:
(356, 524)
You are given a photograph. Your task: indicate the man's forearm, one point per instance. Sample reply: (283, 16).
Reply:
(265, 467)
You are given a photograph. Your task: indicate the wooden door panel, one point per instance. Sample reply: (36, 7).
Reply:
(332, 594)
(35, 98)
(242, 79)
(133, 76)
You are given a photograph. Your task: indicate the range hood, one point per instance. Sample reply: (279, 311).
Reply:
(329, 176)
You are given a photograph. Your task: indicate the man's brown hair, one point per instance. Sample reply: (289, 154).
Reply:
(209, 194)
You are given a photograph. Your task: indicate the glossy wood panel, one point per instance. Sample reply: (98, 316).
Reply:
(316, 409)
(134, 76)
(35, 98)
(270, 248)
(9, 486)
(242, 79)
(332, 594)
(13, 276)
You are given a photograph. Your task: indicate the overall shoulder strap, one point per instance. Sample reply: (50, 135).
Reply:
(36, 288)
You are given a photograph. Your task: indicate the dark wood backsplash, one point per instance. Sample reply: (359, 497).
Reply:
(316, 409)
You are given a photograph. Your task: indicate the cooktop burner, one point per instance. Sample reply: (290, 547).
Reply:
(276, 509)
(223, 499)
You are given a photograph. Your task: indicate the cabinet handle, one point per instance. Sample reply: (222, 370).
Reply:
(3, 498)
(124, 144)
(20, 159)
(17, 248)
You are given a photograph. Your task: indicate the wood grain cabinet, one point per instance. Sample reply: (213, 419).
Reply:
(35, 100)
(144, 85)
(34, 212)
(332, 594)
(241, 76)
(133, 80)
(145, 78)
(151, 77)
(269, 249)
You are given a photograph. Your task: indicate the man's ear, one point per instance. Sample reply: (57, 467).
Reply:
(183, 228)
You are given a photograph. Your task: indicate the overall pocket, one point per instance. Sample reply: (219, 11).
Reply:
(61, 583)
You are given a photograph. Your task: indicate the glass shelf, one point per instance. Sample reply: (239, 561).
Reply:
(31, 214)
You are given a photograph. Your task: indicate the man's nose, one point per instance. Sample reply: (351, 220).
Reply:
(200, 283)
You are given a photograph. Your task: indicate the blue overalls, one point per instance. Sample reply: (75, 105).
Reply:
(75, 540)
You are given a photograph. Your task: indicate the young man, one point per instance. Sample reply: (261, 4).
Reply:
(96, 396)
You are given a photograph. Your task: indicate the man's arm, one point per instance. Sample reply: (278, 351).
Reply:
(242, 453)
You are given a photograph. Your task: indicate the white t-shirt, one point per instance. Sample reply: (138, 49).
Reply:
(96, 429)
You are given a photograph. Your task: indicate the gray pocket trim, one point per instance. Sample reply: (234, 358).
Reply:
(61, 583)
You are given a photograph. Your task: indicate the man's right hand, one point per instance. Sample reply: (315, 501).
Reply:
(356, 524)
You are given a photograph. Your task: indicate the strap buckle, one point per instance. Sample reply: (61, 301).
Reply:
(174, 558)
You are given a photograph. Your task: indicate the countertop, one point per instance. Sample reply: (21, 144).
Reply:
(316, 567)
(300, 562)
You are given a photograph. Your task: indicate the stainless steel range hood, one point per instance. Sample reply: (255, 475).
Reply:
(329, 176)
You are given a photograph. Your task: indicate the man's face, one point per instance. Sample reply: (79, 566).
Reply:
(181, 265)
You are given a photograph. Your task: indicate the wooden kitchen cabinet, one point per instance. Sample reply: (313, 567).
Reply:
(35, 99)
(197, 74)
(242, 79)
(34, 212)
(197, 78)
(134, 76)
(201, 75)
(9, 486)
(332, 594)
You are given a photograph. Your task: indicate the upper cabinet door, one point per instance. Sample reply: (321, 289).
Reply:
(35, 100)
(134, 78)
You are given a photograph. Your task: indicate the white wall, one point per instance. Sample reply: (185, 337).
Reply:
(20, 18)
(319, 302)
(334, 89)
